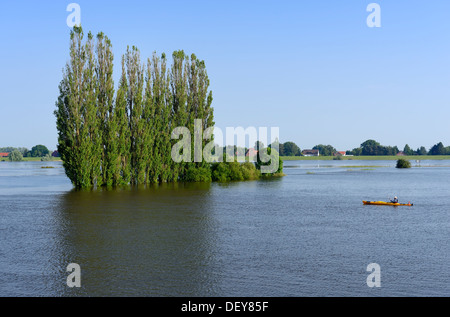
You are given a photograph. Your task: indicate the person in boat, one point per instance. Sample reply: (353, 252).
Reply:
(395, 200)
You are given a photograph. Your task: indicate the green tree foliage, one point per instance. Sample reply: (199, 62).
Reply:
(325, 150)
(122, 164)
(39, 151)
(198, 174)
(92, 128)
(402, 163)
(355, 152)
(9, 149)
(289, 149)
(106, 114)
(76, 114)
(407, 150)
(111, 138)
(161, 99)
(136, 115)
(373, 148)
(259, 145)
(369, 143)
(46, 158)
(439, 149)
(234, 171)
(274, 155)
(15, 156)
(377, 149)
(422, 151)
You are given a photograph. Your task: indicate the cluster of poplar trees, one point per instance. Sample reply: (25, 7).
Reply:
(109, 137)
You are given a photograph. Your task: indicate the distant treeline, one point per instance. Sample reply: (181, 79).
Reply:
(373, 148)
(367, 148)
(36, 151)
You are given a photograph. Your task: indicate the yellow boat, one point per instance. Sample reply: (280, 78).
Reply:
(383, 203)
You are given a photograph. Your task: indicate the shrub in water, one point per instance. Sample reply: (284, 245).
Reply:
(15, 156)
(249, 171)
(220, 172)
(198, 174)
(46, 158)
(402, 163)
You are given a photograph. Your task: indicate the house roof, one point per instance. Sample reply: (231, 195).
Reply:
(251, 152)
(4, 154)
(310, 151)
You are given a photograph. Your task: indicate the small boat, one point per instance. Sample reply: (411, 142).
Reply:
(383, 203)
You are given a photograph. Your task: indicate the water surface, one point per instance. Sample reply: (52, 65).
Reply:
(306, 234)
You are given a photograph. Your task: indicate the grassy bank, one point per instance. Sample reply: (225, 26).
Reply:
(36, 159)
(366, 158)
(33, 159)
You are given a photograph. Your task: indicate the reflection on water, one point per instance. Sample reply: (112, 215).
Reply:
(301, 235)
(129, 242)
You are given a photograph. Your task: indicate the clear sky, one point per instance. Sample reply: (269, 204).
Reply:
(312, 68)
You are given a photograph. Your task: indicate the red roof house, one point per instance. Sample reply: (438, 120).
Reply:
(251, 153)
(4, 154)
(310, 153)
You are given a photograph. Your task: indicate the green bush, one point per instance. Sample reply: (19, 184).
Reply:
(15, 156)
(221, 172)
(198, 174)
(237, 171)
(234, 171)
(402, 163)
(249, 171)
(46, 158)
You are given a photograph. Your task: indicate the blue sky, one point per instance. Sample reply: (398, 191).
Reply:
(312, 68)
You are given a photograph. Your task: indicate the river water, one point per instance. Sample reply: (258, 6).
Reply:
(306, 234)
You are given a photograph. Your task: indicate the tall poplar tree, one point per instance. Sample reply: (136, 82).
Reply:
(135, 108)
(71, 114)
(123, 140)
(163, 139)
(92, 139)
(106, 113)
(178, 83)
(111, 138)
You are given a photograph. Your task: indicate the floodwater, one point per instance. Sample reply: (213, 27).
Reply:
(306, 234)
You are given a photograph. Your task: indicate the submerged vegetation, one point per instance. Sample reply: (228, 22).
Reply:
(111, 138)
(402, 163)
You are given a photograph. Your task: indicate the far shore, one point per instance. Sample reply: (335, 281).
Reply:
(304, 158)
(367, 158)
(33, 159)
